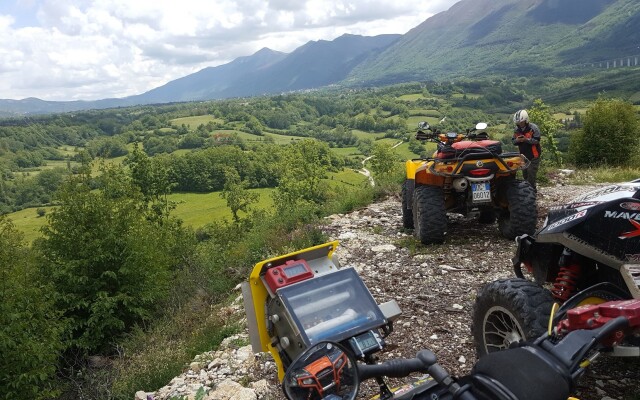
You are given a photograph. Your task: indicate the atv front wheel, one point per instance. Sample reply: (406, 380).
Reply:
(507, 311)
(521, 217)
(407, 214)
(429, 214)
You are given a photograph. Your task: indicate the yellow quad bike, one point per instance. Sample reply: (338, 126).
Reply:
(299, 299)
(469, 175)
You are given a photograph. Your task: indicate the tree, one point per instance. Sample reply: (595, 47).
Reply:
(235, 192)
(541, 115)
(109, 261)
(383, 161)
(192, 141)
(152, 178)
(107, 147)
(303, 166)
(416, 147)
(365, 146)
(31, 333)
(609, 135)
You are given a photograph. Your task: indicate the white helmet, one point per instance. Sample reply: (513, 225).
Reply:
(520, 116)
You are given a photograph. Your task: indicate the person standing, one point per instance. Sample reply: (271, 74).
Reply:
(527, 137)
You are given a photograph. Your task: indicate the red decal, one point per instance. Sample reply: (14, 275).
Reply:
(631, 234)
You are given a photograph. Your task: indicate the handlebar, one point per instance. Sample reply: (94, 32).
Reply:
(558, 361)
(425, 361)
(397, 368)
(427, 132)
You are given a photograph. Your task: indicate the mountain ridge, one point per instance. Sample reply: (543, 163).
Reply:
(473, 38)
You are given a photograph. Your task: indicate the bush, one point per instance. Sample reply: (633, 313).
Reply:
(609, 136)
(30, 338)
(110, 259)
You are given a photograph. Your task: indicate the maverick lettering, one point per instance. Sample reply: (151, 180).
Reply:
(622, 214)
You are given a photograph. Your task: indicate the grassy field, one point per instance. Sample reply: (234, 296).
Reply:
(403, 152)
(199, 209)
(349, 177)
(283, 139)
(194, 122)
(469, 95)
(412, 122)
(346, 151)
(67, 151)
(410, 97)
(195, 209)
(366, 135)
(29, 222)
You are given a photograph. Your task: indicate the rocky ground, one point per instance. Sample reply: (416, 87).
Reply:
(435, 287)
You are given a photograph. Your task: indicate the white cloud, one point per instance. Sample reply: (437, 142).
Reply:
(114, 48)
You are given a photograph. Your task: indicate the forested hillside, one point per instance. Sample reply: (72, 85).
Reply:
(513, 37)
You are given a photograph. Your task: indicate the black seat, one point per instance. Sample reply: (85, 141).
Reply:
(526, 372)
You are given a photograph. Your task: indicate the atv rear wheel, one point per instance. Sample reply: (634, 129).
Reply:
(507, 311)
(521, 217)
(429, 214)
(407, 214)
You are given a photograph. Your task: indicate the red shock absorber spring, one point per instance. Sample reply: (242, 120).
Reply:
(566, 282)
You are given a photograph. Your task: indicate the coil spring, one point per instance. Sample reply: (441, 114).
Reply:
(566, 282)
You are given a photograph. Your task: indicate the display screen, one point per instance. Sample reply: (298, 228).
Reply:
(367, 341)
(294, 270)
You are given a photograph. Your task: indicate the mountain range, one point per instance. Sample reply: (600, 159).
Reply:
(474, 38)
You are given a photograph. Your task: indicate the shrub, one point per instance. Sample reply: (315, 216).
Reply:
(609, 136)
(109, 257)
(30, 337)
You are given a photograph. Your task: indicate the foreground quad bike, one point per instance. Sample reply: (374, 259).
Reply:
(468, 174)
(587, 252)
(299, 299)
(326, 334)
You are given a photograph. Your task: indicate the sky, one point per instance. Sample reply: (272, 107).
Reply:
(93, 49)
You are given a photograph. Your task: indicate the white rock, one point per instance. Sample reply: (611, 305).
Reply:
(195, 367)
(383, 248)
(244, 353)
(261, 388)
(141, 395)
(462, 360)
(177, 381)
(347, 235)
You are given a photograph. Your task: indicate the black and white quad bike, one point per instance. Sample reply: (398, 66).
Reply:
(587, 252)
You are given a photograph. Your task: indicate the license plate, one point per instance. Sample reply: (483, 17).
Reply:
(481, 192)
